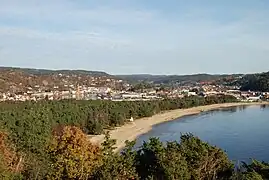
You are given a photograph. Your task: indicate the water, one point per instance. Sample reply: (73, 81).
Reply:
(243, 132)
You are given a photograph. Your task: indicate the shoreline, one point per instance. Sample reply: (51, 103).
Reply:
(132, 130)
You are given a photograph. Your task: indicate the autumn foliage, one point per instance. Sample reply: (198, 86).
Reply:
(11, 162)
(72, 155)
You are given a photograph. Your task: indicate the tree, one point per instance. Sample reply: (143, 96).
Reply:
(256, 169)
(156, 161)
(255, 82)
(72, 155)
(11, 162)
(204, 161)
(116, 166)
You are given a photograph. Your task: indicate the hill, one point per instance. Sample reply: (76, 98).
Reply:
(23, 79)
(171, 79)
(19, 79)
(255, 82)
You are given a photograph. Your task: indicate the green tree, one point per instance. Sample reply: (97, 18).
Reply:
(114, 165)
(205, 161)
(156, 161)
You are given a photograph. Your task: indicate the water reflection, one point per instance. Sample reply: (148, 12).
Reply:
(263, 106)
(224, 110)
(242, 108)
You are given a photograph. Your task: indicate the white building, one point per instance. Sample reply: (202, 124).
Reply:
(131, 96)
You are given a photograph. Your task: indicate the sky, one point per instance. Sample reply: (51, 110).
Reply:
(136, 36)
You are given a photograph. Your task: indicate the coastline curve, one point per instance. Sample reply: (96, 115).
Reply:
(132, 130)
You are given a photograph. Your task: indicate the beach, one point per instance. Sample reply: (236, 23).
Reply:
(132, 130)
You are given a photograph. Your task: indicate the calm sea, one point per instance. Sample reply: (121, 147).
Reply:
(243, 132)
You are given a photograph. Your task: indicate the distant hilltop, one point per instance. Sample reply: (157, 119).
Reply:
(13, 79)
(247, 82)
(53, 72)
(172, 79)
(20, 78)
(157, 79)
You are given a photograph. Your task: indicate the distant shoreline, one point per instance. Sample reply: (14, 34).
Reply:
(132, 130)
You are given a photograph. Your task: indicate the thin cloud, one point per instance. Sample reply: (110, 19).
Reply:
(132, 39)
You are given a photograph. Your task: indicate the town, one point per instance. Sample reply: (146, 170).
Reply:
(104, 87)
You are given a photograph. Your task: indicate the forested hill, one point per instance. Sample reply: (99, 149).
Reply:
(13, 76)
(169, 79)
(20, 79)
(255, 82)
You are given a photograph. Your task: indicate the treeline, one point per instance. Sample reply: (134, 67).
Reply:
(255, 82)
(71, 156)
(93, 116)
(172, 79)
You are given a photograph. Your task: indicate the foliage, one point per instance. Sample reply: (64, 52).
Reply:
(190, 159)
(155, 161)
(256, 169)
(172, 79)
(72, 155)
(18, 80)
(11, 162)
(116, 166)
(141, 86)
(205, 161)
(255, 82)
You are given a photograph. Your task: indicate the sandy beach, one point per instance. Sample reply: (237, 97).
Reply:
(132, 130)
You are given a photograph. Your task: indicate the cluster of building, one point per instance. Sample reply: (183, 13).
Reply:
(78, 93)
(107, 93)
(105, 88)
(21, 86)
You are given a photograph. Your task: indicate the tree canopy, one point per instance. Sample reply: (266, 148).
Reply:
(255, 82)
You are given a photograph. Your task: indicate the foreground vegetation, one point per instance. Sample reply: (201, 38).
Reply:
(47, 140)
(70, 155)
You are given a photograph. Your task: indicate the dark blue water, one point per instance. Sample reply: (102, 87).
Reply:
(243, 132)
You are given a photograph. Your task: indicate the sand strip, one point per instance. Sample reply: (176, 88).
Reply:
(132, 130)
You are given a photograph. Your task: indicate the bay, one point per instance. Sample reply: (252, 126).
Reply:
(243, 131)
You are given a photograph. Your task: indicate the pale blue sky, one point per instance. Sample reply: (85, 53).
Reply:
(136, 36)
